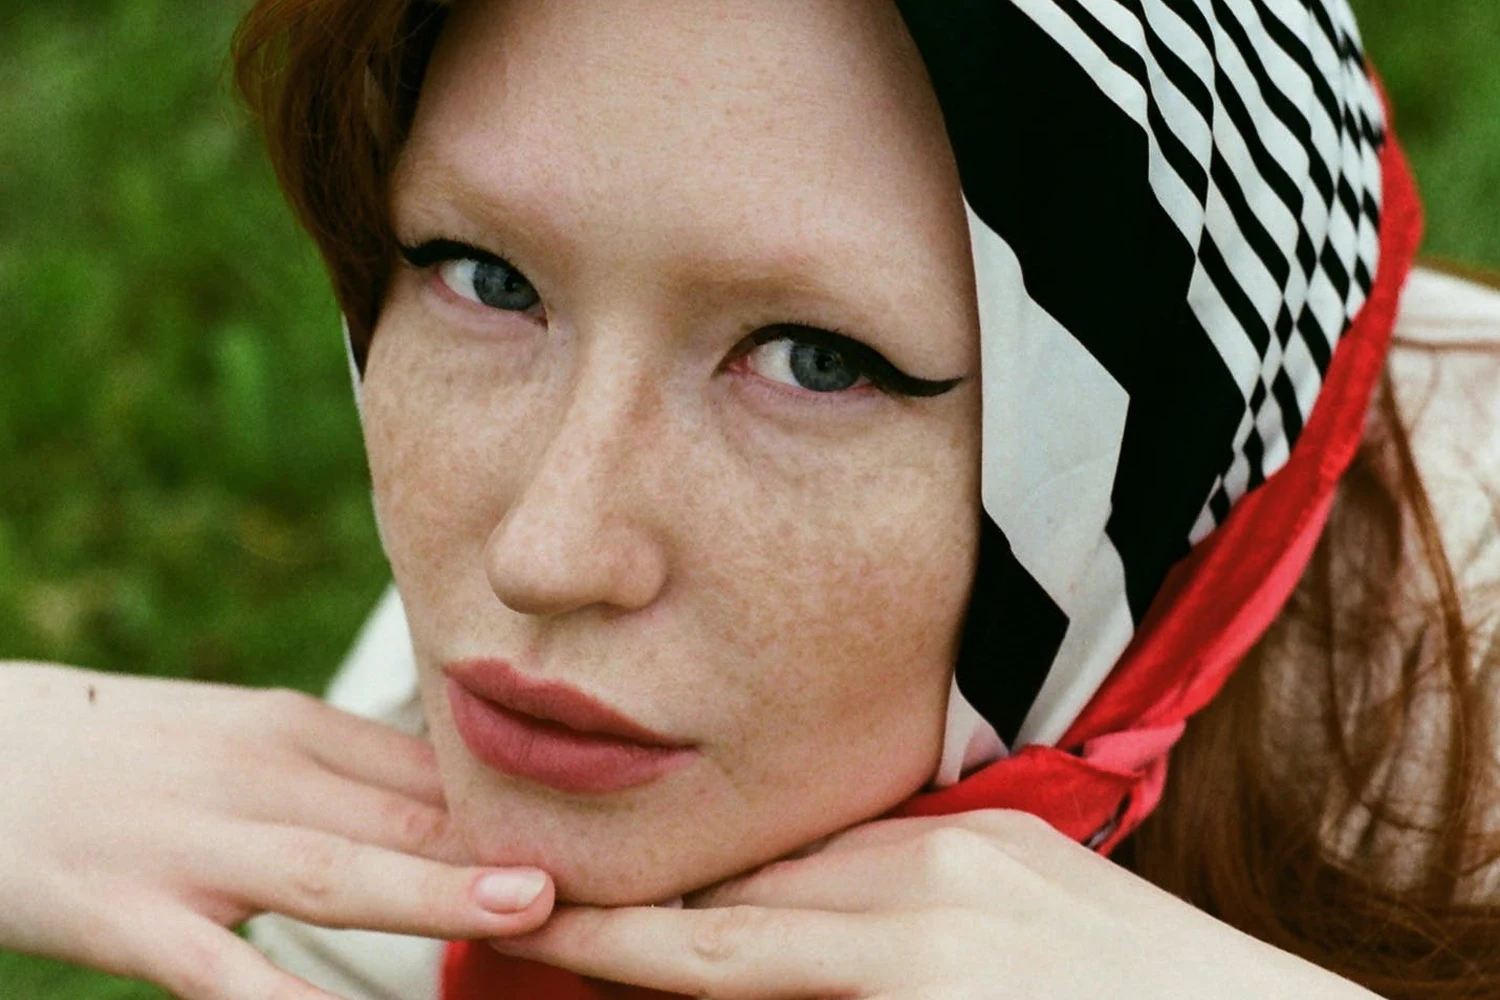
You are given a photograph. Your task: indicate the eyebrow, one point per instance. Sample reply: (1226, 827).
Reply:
(477, 208)
(473, 207)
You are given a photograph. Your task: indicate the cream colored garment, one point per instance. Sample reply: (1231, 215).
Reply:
(379, 681)
(1451, 397)
(1447, 381)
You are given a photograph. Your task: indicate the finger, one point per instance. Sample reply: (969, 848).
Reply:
(332, 881)
(1022, 837)
(364, 813)
(196, 959)
(378, 755)
(887, 831)
(739, 953)
(949, 866)
(359, 748)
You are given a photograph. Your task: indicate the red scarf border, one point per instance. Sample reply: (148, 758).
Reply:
(1216, 603)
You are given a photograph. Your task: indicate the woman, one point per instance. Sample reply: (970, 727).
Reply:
(669, 344)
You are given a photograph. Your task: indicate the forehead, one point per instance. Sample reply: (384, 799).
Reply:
(776, 119)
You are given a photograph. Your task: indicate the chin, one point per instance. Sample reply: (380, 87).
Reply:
(622, 881)
(607, 853)
(601, 870)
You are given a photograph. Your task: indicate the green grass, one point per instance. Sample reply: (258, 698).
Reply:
(1438, 59)
(183, 488)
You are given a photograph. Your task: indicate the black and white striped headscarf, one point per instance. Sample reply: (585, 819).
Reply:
(1174, 207)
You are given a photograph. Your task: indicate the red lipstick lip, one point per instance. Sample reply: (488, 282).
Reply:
(553, 701)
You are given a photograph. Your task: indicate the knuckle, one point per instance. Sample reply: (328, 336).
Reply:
(420, 829)
(314, 875)
(718, 939)
(951, 855)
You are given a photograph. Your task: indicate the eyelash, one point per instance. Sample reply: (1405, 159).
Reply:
(871, 365)
(437, 251)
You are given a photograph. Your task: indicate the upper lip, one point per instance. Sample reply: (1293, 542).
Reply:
(499, 682)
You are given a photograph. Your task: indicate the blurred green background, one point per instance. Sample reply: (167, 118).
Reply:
(182, 489)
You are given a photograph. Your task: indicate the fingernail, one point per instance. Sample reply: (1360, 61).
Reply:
(506, 892)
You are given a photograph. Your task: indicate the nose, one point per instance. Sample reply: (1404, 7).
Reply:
(583, 526)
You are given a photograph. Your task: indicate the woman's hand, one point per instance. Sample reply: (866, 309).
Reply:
(988, 904)
(141, 818)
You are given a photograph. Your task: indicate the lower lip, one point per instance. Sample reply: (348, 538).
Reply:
(552, 754)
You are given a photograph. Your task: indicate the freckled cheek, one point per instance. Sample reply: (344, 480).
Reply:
(853, 644)
(413, 474)
(439, 486)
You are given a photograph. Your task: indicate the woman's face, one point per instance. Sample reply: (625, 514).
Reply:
(618, 445)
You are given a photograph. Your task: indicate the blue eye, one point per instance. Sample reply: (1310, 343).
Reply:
(474, 274)
(489, 283)
(824, 361)
(814, 367)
